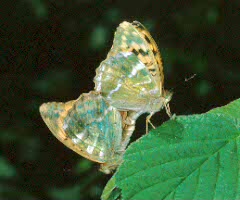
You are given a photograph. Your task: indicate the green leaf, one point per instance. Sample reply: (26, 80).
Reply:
(190, 157)
(110, 191)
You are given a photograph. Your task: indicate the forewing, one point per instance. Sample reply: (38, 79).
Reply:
(88, 126)
(134, 37)
(154, 48)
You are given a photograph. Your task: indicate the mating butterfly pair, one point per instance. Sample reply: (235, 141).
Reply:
(129, 82)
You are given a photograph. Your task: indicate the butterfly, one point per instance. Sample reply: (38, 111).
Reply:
(98, 125)
(131, 77)
(89, 126)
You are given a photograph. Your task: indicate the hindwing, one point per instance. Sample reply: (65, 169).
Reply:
(125, 82)
(88, 126)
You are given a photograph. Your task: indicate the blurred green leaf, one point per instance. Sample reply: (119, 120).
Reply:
(40, 8)
(196, 62)
(98, 37)
(73, 193)
(54, 81)
(190, 157)
(194, 19)
(200, 64)
(30, 149)
(95, 191)
(203, 88)
(113, 15)
(82, 166)
(14, 193)
(212, 15)
(6, 169)
(8, 136)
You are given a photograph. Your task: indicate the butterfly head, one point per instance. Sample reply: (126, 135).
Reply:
(110, 166)
(106, 169)
(159, 103)
(168, 96)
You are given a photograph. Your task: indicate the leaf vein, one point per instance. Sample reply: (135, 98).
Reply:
(200, 165)
(147, 168)
(177, 144)
(217, 174)
(149, 186)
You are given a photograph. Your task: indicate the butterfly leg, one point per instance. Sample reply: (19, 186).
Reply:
(168, 111)
(167, 108)
(149, 122)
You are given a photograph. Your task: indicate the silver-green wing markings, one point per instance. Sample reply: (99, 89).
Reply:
(125, 82)
(88, 126)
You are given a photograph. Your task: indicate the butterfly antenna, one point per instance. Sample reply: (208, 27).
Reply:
(181, 83)
(191, 77)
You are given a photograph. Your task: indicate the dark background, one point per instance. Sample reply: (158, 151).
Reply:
(49, 51)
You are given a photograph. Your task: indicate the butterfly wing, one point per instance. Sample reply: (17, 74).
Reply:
(134, 37)
(159, 76)
(88, 126)
(125, 82)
